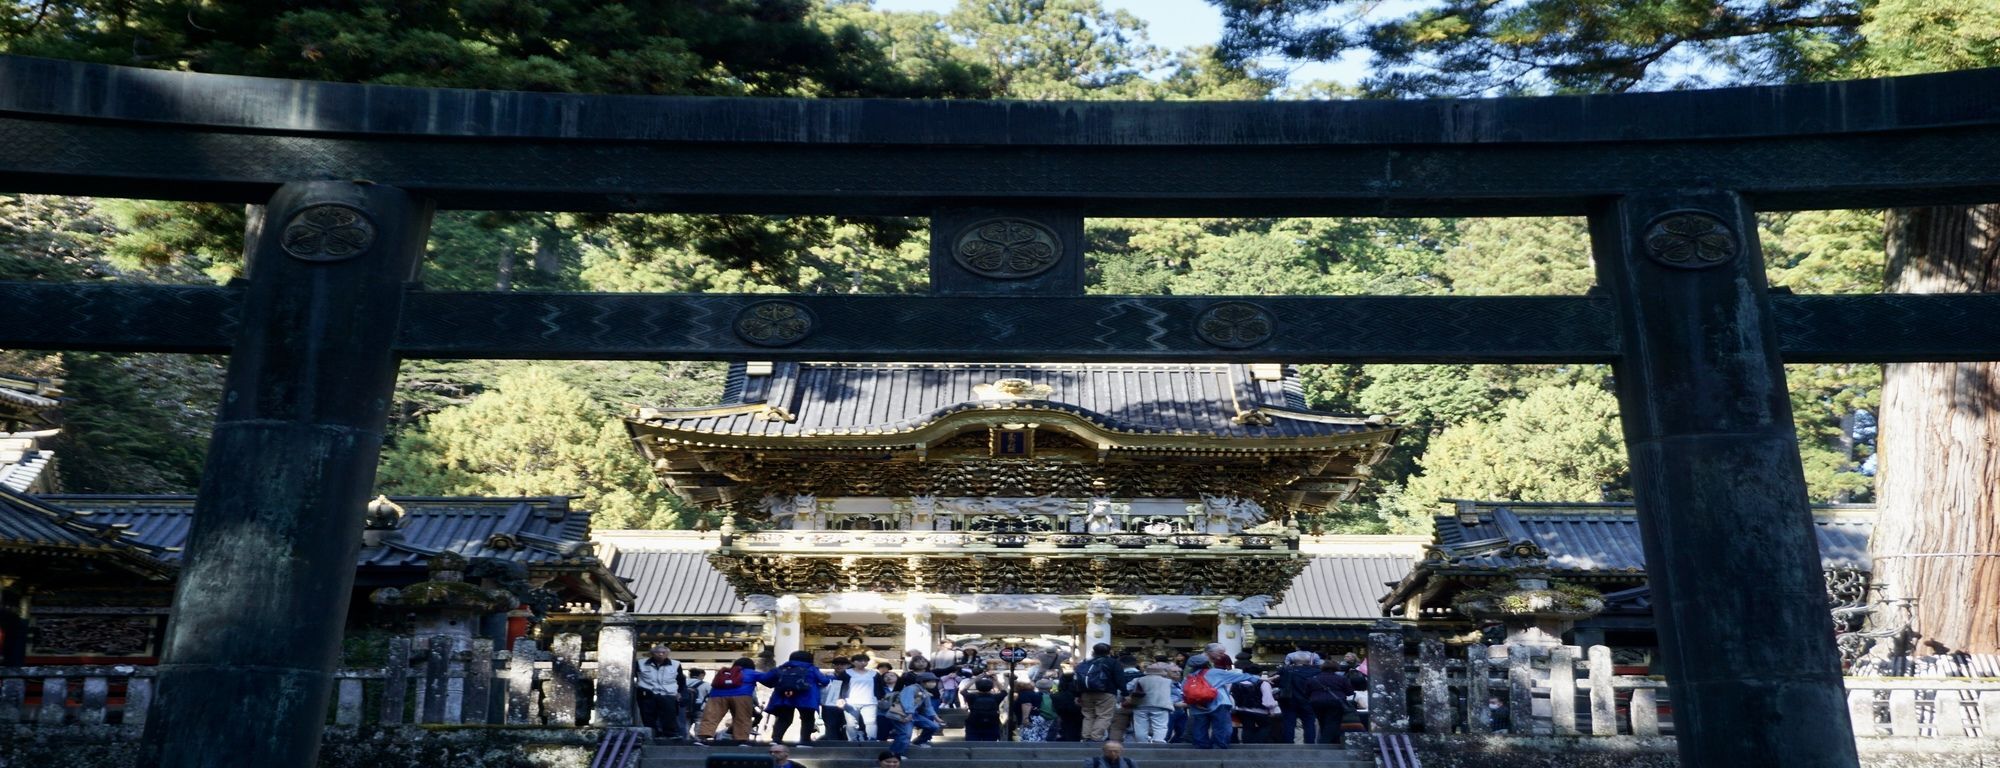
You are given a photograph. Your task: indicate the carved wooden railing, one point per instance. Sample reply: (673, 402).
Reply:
(1572, 691)
(1060, 540)
(444, 682)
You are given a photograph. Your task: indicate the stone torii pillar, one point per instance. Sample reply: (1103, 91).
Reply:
(1731, 555)
(262, 597)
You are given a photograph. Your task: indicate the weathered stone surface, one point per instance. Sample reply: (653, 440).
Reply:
(269, 560)
(1603, 699)
(559, 692)
(521, 682)
(1562, 690)
(478, 683)
(395, 680)
(1721, 496)
(612, 696)
(1435, 693)
(1388, 692)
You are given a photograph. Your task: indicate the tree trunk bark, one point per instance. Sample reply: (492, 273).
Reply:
(1937, 539)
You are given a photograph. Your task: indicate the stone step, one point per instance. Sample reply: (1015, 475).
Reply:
(1026, 755)
(1181, 757)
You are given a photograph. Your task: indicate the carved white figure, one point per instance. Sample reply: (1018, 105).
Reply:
(1229, 514)
(764, 604)
(1099, 518)
(805, 513)
(1150, 604)
(786, 609)
(923, 514)
(777, 511)
(1254, 607)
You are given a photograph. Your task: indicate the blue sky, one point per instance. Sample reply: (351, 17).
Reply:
(1176, 24)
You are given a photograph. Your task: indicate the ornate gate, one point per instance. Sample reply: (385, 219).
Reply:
(1670, 182)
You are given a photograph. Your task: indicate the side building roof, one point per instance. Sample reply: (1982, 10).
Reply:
(1582, 540)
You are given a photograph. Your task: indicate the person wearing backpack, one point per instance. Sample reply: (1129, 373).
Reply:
(795, 687)
(734, 694)
(1255, 702)
(1295, 688)
(1098, 678)
(1206, 693)
(982, 711)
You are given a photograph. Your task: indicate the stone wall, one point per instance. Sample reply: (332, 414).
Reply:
(1462, 751)
(365, 747)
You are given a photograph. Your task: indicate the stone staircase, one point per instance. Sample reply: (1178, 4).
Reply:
(962, 754)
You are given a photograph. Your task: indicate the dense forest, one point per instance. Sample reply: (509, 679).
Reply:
(137, 423)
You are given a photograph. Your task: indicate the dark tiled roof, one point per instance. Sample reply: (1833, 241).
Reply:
(1599, 538)
(531, 531)
(887, 398)
(1576, 540)
(29, 522)
(1341, 587)
(675, 583)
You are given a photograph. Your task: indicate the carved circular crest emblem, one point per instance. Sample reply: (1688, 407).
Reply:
(1007, 249)
(327, 232)
(1235, 325)
(774, 323)
(1690, 240)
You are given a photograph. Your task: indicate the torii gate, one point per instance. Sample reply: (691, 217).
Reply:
(348, 176)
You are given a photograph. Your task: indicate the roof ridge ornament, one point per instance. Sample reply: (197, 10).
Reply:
(1013, 389)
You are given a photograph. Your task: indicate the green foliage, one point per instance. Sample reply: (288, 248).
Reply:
(1055, 49)
(1555, 444)
(1908, 37)
(1521, 257)
(532, 434)
(137, 423)
(1468, 47)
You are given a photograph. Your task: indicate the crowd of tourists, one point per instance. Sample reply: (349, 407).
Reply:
(1206, 699)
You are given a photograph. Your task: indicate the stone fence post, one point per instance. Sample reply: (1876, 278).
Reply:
(1388, 696)
(613, 698)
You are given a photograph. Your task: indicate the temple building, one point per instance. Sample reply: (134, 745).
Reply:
(893, 504)
(1577, 571)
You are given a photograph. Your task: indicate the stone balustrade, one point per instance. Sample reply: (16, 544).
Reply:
(1571, 691)
(437, 685)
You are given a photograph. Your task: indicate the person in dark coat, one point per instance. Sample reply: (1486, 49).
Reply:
(795, 693)
(982, 711)
(1328, 697)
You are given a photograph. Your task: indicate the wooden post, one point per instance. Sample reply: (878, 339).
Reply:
(55, 701)
(13, 691)
(479, 683)
(1903, 712)
(521, 682)
(138, 700)
(1388, 693)
(613, 697)
(1478, 664)
(347, 702)
(96, 696)
(566, 673)
(1720, 490)
(1603, 699)
(1562, 690)
(395, 681)
(1861, 711)
(1521, 690)
(1645, 712)
(437, 679)
(277, 523)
